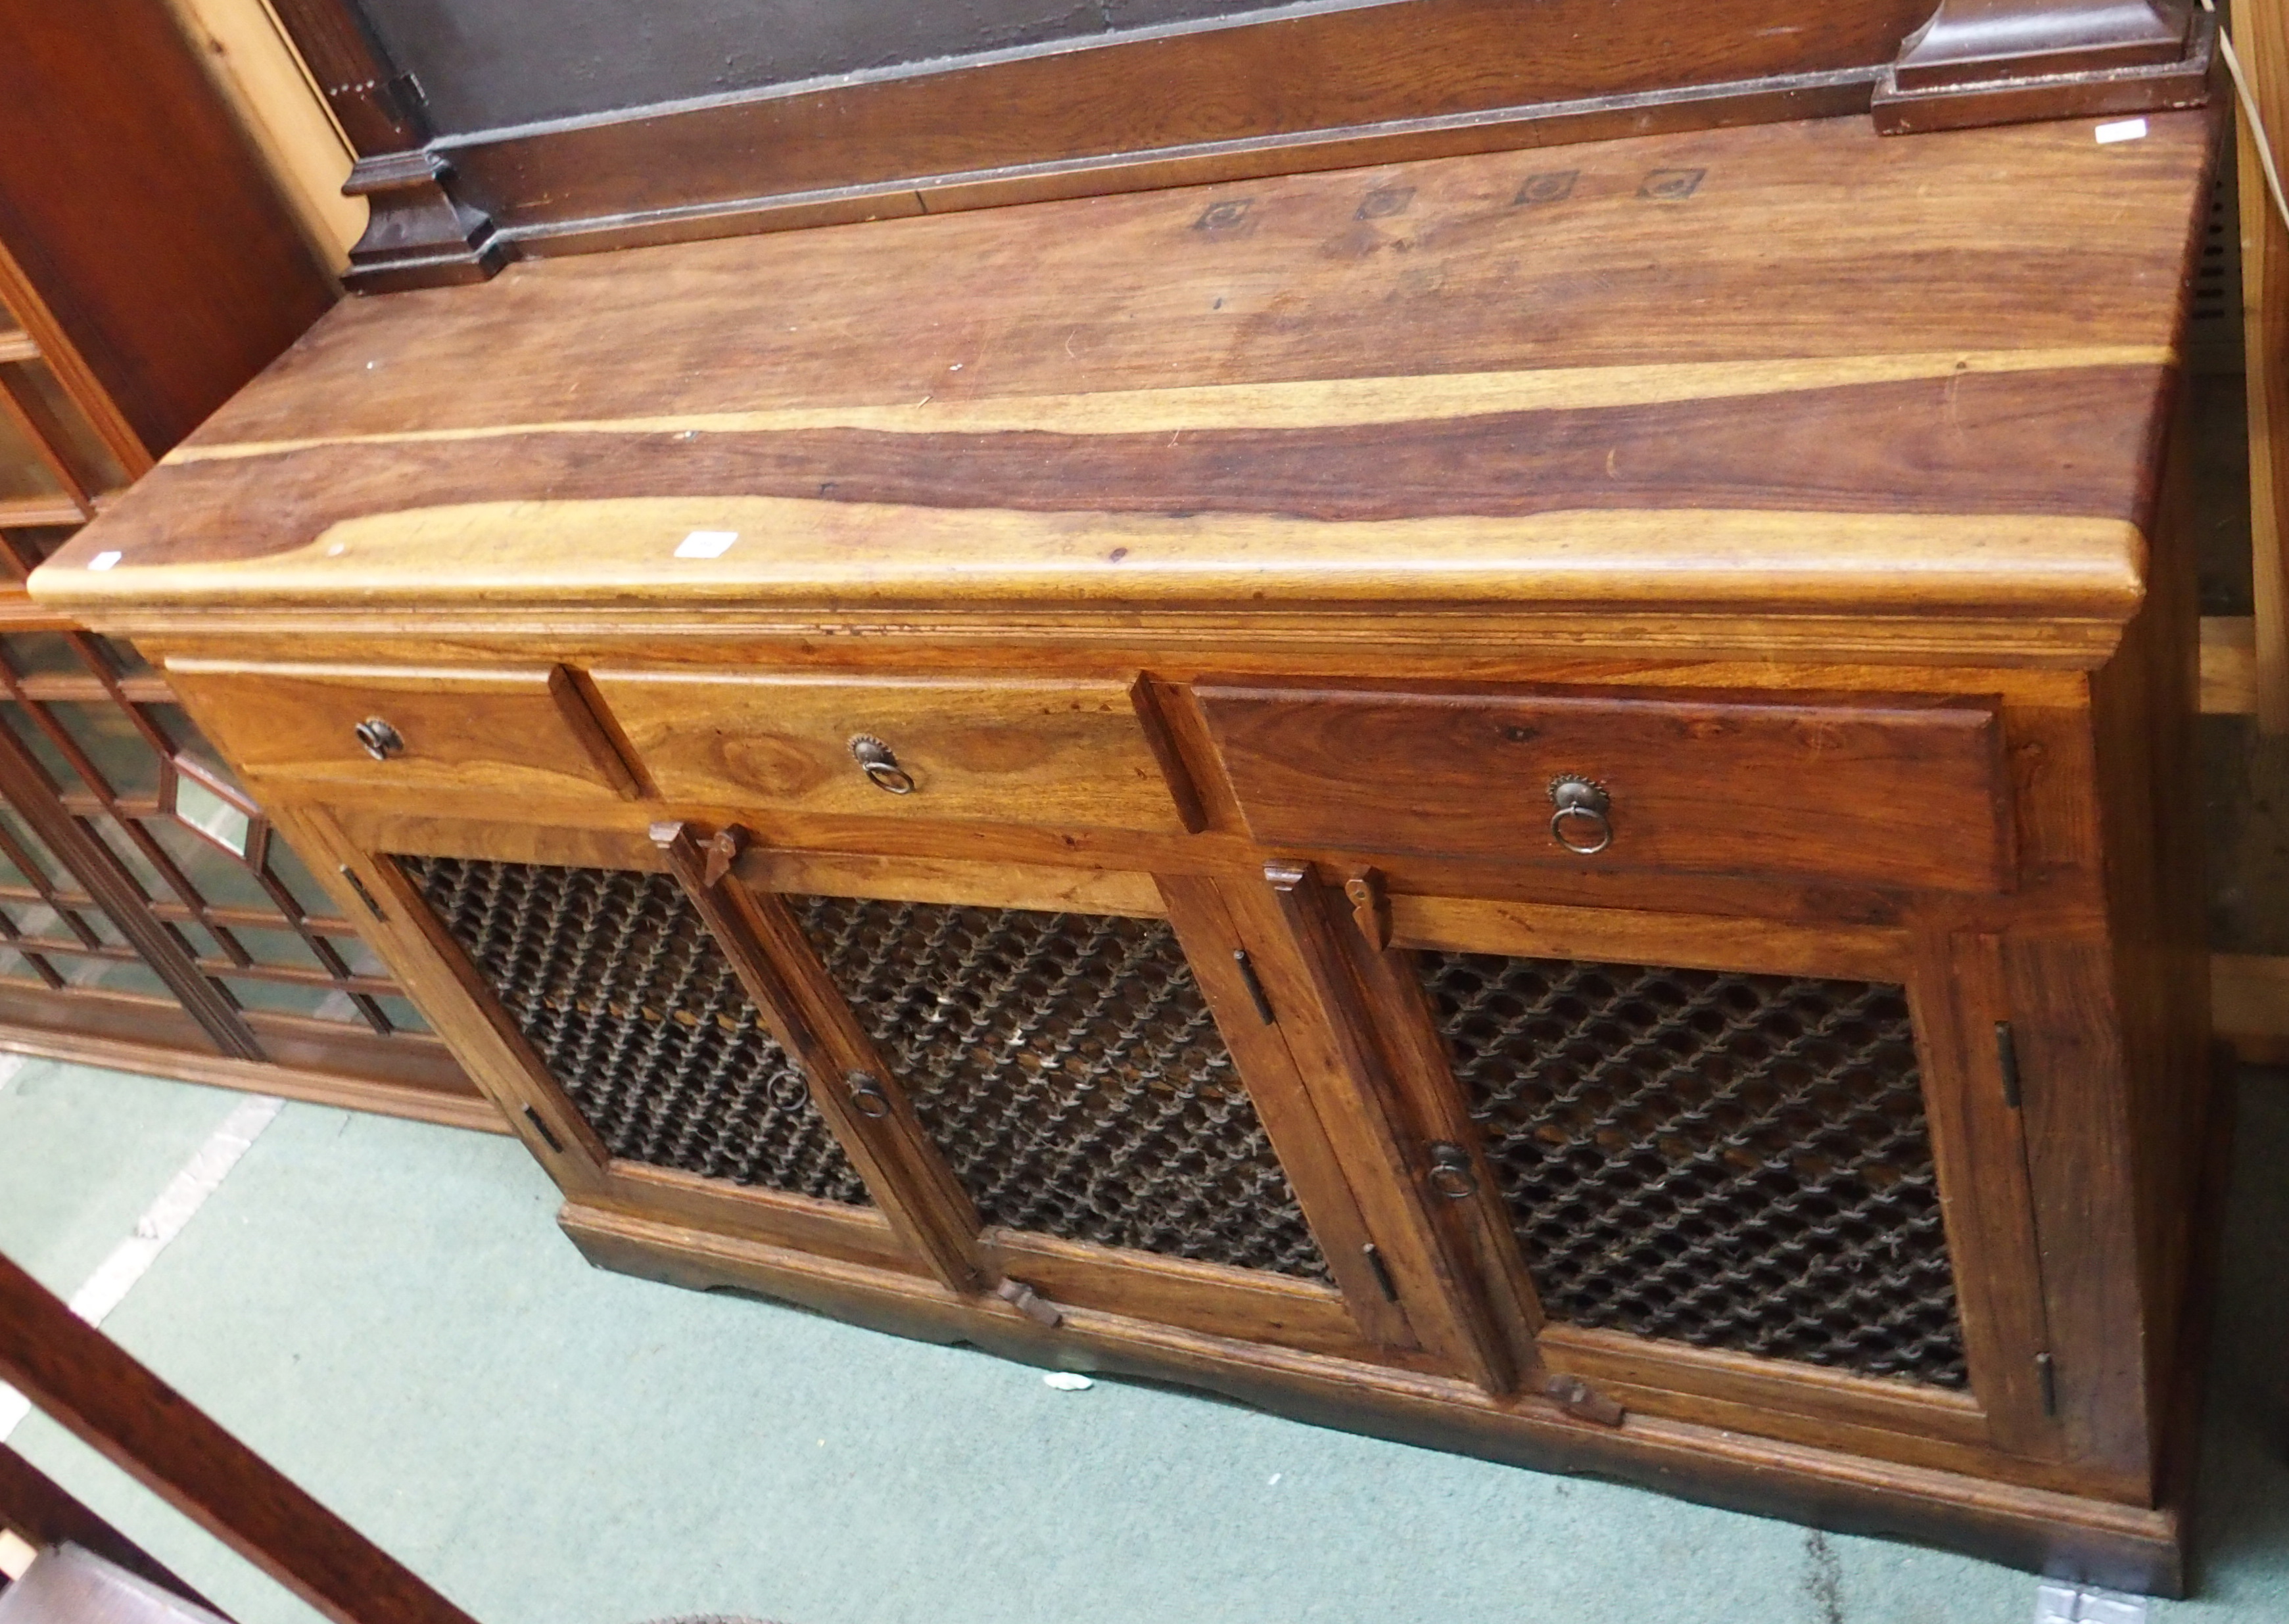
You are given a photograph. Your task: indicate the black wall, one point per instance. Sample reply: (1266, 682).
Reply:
(487, 63)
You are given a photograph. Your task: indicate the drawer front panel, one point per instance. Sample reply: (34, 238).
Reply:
(1730, 1160)
(1069, 1069)
(1033, 752)
(509, 733)
(640, 1020)
(1880, 793)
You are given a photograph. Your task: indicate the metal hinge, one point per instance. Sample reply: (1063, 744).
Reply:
(2046, 1375)
(1255, 986)
(363, 895)
(2006, 1058)
(1382, 1271)
(541, 1128)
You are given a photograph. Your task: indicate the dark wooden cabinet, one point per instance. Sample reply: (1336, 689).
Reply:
(1541, 819)
(150, 916)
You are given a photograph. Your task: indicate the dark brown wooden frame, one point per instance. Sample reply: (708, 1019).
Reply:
(1215, 101)
(148, 268)
(89, 1386)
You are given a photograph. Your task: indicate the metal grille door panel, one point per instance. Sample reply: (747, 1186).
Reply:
(1068, 1069)
(1734, 1161)
(642, 1021)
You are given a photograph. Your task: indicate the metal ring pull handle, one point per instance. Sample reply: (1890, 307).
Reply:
(1580, 824)
(378, 739)
(866, 1096)
(880, 766)
(1452, 1174)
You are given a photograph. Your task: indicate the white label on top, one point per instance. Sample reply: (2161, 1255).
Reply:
(103, 561)
(706, 544)
(2121, 130)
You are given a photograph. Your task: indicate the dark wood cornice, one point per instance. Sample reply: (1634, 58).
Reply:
(1209, 102)
(418, 234)
(2011, 61)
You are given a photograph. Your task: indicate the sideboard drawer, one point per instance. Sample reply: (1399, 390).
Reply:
(526, 733)
(1014, 752)
(1877, 791)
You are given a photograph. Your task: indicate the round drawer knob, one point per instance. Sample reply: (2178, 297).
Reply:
(866, 1096)
(1580, 824)
(880, 766)
(380, 739)
(1452, 1175)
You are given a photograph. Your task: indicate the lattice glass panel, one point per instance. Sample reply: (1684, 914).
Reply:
(640, 1019)
(1069, 1069)
(1734, 1161)
(120, 755)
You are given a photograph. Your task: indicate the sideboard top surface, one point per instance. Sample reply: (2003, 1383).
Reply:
(1794, 368)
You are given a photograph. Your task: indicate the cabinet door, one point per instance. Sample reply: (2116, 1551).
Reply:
(1753, 1176)
(1010, 1081)
(1099, 1084)
(643, 1056)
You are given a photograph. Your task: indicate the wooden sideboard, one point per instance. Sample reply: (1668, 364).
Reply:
(1537, 803)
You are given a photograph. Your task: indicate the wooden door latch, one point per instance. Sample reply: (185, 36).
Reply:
(1370, 906)
(1581, 1401)
(1029, 1302)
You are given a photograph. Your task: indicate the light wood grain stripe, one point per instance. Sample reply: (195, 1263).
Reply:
(611, 550)
(1317, 403)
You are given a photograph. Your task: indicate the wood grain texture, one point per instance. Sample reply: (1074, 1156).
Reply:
(511, 733)
(2229, 645)
(1224, 397)
(1228, 1302)
(141, 216)
(1061, 752)
(2144, 704)
(1529, 930)
(2082, 1167)
(2251, 993)
(2262, 35)
(1909, 796)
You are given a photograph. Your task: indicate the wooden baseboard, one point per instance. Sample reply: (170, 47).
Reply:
(2089, 1541)
(254, 1077)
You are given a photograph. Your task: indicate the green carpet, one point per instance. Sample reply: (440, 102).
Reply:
(387, 1312)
